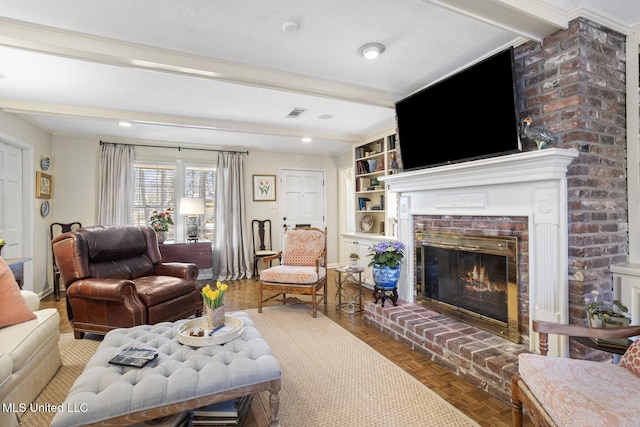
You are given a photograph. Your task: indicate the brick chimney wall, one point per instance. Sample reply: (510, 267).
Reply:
(573, 84)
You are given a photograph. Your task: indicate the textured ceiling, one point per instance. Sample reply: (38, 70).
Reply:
(224, 73)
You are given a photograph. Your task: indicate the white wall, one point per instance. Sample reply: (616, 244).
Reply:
(75, 172)
(36, 144)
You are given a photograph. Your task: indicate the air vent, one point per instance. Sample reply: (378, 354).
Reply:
(297, 112)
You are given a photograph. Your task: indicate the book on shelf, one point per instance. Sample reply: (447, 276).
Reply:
(362, 201)
(132, 356)
(228, 413)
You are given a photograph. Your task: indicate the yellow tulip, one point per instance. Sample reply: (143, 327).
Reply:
(214, 298)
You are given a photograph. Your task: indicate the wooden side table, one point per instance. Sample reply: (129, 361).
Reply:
(199, 253)
(17, 268)
(615, 351)
(354, 301)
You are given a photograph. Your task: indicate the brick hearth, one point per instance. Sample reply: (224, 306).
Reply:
(480, 357)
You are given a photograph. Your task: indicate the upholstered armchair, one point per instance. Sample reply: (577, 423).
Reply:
(302, 269)
(115, 278)
(559, 391)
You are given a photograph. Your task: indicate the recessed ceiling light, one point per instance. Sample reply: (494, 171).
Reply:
(125, 124)
(290, 27)
(306, 139)
(325, 116)
(371, 50)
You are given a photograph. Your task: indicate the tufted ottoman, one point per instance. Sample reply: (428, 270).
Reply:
(179, 379)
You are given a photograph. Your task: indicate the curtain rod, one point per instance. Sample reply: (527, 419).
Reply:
(178, 147)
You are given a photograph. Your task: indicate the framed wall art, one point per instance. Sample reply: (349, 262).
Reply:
(264, 188)
(43, 185)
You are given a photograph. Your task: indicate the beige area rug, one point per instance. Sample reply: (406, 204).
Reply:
(75, 355)
(329, 377)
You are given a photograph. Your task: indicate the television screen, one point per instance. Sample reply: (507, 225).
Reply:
(472, 114)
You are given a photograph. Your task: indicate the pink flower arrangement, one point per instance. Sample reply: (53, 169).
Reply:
(160, 221)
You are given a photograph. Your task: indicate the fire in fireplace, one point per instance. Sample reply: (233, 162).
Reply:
(473, 279)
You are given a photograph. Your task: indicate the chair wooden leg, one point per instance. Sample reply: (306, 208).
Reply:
(325, 292)
(260, 298)
(516, 403)
(56, 285)
(314, 303)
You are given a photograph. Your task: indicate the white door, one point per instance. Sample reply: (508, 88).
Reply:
(11, 200)
(302, 198)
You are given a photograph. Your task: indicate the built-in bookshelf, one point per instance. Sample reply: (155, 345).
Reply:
(375, 207)
(375, 211)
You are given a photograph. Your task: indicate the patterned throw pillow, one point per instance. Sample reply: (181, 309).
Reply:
(302, 247)
(631, 358)
(13, 307)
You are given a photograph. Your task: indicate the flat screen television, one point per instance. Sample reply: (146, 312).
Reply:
(469, 115)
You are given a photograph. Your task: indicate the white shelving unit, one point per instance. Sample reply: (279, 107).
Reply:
(376, 209)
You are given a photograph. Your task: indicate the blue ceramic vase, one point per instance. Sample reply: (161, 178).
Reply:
(386, 277)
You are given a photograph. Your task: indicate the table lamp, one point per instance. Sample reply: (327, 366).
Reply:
(192, 207)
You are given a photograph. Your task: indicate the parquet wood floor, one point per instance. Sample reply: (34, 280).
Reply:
(477, 404)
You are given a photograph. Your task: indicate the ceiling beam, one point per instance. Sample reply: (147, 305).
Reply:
(529, 18)
(84, 47)
(156, 119)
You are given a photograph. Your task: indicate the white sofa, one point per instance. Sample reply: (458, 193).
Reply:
(29, 357)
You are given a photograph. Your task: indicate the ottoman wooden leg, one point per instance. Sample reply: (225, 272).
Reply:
(274, 402)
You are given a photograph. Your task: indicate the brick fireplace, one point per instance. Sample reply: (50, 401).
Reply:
(531, 186)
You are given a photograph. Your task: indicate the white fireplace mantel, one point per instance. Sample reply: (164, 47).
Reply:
(531, 184)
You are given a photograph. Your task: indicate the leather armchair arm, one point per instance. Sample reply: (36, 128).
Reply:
(185, 270)
(102, 289)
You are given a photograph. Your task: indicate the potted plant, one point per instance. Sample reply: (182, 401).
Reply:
(606, 313)
(160, 222)
(353, 258)
(385, 260)
(213, 299)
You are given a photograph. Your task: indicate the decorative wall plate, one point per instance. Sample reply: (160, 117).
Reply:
(366, 223)
(44, 208)
(45, 163)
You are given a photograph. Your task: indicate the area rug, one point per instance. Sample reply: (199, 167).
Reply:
(75, 355)
(329, 377)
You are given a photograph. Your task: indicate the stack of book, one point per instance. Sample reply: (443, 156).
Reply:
(230, 413)
(182, 419)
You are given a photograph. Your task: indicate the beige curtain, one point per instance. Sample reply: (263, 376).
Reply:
(231, 249)
(116, 184)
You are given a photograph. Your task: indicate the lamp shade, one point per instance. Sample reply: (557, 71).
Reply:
(191, 206)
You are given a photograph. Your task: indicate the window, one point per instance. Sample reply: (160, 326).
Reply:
(154, 191)
(200, 182)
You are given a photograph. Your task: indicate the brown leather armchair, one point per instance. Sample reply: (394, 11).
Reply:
(115, 278)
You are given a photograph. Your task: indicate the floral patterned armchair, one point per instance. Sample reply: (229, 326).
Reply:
(571, 392)
(302, 269)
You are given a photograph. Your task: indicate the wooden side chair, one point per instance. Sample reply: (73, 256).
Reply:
(262, 240)
(302, 270)
(56, 229)
(562, 391)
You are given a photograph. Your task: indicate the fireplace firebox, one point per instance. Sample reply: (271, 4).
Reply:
(473, 279)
